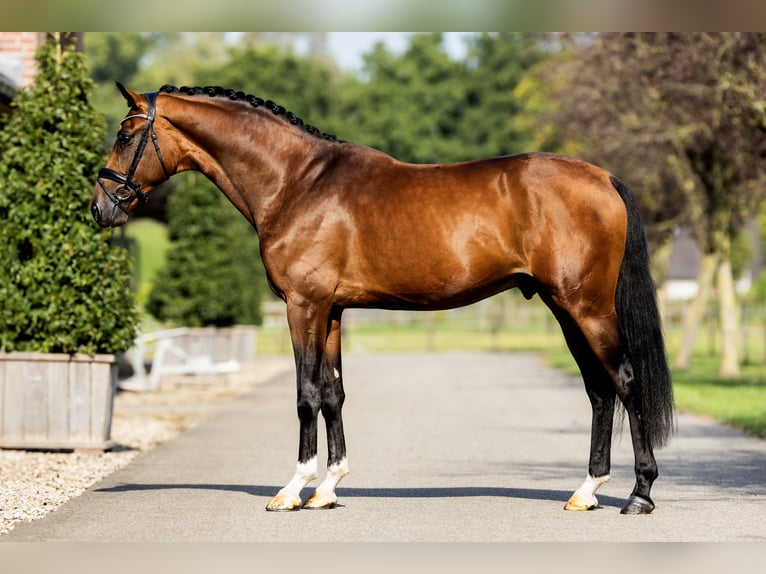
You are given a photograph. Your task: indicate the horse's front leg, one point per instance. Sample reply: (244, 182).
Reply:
(333, 397)
(308, 329)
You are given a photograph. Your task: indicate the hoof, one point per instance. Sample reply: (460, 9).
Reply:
(579, 502)
(321, 501)
(283, 502)
(637, 505)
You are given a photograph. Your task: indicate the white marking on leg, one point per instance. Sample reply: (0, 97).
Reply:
(335, 472)
(324, 496)
(336, 372)
(587, 492)
(305, 472)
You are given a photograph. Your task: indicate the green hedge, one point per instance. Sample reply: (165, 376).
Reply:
(64, 287)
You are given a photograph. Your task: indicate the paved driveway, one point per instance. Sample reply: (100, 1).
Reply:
(442, 447)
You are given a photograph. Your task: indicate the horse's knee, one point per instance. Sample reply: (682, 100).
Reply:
(309, 403)
(333, 398)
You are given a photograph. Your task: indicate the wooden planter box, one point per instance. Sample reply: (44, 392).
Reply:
(56, 401)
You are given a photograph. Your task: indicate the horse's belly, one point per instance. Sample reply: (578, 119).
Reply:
(428, 284)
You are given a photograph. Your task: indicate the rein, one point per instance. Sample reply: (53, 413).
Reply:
(129, 187)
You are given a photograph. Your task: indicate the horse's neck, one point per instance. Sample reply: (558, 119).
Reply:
(253, 159)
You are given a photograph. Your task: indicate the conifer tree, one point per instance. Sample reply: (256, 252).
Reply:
(64, 285)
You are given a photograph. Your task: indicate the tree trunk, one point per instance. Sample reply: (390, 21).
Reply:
(661, 261)
(729, 366)
(696, 310)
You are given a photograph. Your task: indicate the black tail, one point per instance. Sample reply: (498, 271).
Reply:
(640, 328)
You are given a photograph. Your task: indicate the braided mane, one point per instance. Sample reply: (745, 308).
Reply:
(254, 101)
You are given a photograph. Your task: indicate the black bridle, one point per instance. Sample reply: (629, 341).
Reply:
(128, 187)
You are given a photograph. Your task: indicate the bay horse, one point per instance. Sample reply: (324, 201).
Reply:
(346, 226)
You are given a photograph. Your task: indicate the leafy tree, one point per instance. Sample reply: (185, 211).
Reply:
(211, 275)
(410, 105)
(303, 85)
(497, 63)
(64, 286)
(423, 106)
(685, 112)
(176, 56)
(758, 289)
(575, 103)
(115, 56)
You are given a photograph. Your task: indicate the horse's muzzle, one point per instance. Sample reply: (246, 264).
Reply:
(96, 213)
(106, 215)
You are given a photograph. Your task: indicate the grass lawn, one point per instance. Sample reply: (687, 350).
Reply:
(739, 402)
(152, 241)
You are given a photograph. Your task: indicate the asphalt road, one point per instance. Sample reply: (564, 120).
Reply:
(442, 447)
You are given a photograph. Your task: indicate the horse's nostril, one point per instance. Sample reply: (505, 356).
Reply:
(95, 212)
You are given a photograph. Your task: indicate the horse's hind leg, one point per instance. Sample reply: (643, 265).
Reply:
(333, 397)
(601, 393)
(640, 501)
(603, 362)
(621, 374)
(604, 337)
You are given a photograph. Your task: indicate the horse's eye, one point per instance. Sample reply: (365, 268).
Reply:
(124, 138)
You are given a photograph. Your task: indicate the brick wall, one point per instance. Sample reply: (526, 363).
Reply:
(17, 55)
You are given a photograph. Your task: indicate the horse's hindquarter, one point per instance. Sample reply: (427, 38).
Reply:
(576, 224)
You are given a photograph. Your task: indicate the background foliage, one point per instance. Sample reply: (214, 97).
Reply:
(212, 272)
(64, 286)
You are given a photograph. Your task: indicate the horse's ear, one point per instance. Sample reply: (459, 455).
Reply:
(129, 96)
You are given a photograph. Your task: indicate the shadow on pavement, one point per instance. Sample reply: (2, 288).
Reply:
(404, 492)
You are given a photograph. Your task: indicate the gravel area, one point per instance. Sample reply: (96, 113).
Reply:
(34, 483)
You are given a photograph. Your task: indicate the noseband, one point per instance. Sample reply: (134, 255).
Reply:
(128, 187)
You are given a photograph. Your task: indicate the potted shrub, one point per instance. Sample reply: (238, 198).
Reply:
(66, 307)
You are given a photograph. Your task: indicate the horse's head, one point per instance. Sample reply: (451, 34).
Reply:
(134, 168)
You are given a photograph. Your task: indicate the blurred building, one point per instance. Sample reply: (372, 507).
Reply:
(681, 280)
(17, 64)
(683, 266)
(7, 93)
